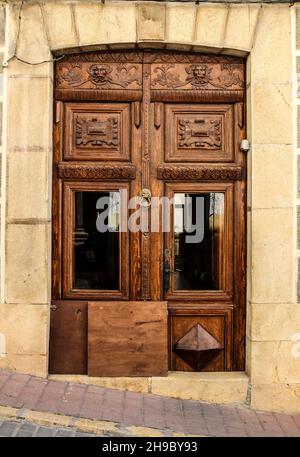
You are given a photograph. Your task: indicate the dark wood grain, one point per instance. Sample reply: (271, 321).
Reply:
(68, 336)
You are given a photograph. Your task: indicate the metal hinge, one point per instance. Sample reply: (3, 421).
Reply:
(58, 112)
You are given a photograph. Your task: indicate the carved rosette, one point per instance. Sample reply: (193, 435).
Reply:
(69, 171)
(198, 173)
(96, 132)
(199, 133)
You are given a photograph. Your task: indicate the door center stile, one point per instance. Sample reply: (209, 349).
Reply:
(145, 183)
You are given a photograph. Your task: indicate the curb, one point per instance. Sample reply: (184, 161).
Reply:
(87, 425)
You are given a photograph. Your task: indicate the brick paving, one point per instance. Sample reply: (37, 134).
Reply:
(137, 409)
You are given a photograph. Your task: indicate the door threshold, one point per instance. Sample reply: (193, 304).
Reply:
(212, 387)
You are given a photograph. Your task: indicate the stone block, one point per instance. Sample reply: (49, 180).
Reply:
(36, 365)
(180, 23)
(271, 113)
(273, 322)
(271, 176)
(59, 18)
(272, 268)
(25, 328)
(276, 397)
(134, 384)
(119, 23)
(27, 274)
(89, 23)
(241, 25)
(271, 54)
(29, 114)
(33, 45)
(230, 387)
(28, 190)
(151, 21)
(211, 24)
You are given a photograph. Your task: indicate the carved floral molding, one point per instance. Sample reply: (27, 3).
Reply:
(197, 76)
(72, 171)
(169, 70)
(197, 173)
(99, 76)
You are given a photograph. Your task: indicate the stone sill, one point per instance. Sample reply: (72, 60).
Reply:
(214, 387)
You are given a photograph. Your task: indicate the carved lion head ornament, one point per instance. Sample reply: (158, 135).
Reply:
(199, 75)
(100, 74)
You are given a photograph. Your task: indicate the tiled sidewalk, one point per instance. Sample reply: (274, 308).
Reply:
(142, 410)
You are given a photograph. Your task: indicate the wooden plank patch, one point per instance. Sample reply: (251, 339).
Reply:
(127, 338)
(68, 333)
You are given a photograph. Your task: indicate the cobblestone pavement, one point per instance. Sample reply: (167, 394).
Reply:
(137, 411)
(10, 428)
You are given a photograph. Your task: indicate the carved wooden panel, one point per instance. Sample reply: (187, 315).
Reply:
(199, 133)
(98, 75)
(199, 173)
(201, 340)
(115, 75)
(97, 132)
(127, 339)
(93, 171)
(207, 76)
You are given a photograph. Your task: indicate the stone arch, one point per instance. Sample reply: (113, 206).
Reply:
(63, 26)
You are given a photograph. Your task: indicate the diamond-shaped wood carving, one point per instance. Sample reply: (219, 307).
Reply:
(197, 347)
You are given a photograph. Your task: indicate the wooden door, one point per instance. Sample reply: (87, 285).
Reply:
(164, 128)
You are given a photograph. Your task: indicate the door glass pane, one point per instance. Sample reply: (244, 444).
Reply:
(96, 240)
(198, 241)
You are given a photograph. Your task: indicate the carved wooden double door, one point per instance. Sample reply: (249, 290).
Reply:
(148, 214)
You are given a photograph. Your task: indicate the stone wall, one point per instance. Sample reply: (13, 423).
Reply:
(263, 34)
(2, 203)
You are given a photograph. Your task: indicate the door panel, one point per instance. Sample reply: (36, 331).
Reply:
(199, 133)
(135, 334)
(97, 132)
(201, 340)
(167, 125)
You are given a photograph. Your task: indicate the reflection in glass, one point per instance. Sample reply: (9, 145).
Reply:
(96, 254)
(198, 241)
